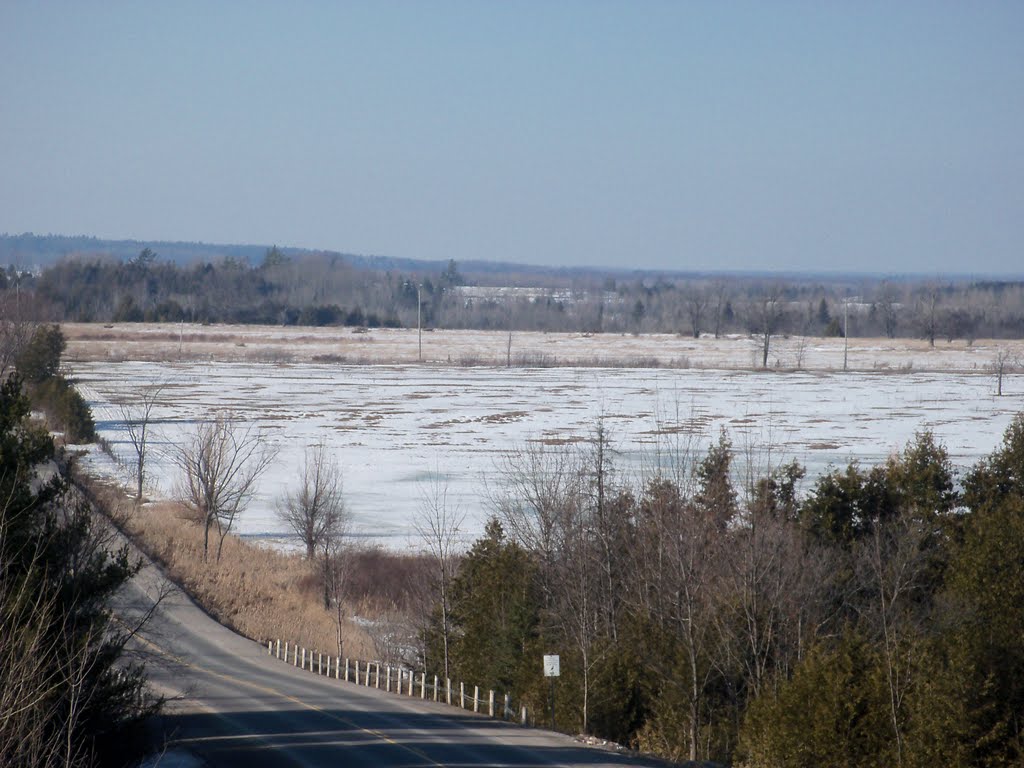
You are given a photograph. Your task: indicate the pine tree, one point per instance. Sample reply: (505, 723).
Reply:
(495, 610)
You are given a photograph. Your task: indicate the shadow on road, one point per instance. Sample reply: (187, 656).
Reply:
(375, 738)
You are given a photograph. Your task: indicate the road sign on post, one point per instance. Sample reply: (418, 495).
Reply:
(551, 666)
(551, 669)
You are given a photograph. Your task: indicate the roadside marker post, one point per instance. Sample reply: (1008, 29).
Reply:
(552, 670)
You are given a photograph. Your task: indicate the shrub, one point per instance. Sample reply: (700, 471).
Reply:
(66, 409)
(40, 359)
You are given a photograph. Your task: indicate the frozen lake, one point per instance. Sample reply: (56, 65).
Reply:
(393, 427)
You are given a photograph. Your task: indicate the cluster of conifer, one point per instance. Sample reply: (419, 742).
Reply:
(66, 695)
(875, 620)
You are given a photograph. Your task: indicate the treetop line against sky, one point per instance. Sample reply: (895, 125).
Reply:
(864, 136)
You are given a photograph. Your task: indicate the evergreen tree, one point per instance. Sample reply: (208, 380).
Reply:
(66, 698)
(831, 713)
(495, 609)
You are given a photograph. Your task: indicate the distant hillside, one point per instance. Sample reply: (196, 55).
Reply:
(31, 251)
(36, 252)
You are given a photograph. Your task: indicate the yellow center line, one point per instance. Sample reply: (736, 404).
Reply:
(286, 697)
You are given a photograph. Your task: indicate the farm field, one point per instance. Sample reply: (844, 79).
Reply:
(161, 342)
(399, 428)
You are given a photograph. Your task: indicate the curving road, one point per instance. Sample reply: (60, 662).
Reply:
(236, 706)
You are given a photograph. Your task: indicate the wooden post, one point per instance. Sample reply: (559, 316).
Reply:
(346, 669)
(270, 647)
(319, 662)
(490, 704)
(337, 667)
(448, 691)
(377, 679)
(279, 648)
(437, 688)
(357, 671)
(523, 718)
(462, 695)
(286, 651)
(476, 698)
(387, 685)
(303, 658)
(412, 680)
(423, 685)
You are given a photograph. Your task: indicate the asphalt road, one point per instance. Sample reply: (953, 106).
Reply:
(234, 705)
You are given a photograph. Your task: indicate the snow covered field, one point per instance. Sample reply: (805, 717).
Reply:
(394, 427)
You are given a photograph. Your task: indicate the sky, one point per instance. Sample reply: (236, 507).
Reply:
(780, 136)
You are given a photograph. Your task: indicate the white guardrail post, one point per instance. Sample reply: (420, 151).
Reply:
(507, 713)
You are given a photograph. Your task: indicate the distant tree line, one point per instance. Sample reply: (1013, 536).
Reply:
(329, 290)
(877, 620)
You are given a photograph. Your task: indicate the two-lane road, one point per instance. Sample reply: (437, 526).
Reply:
(237, 706)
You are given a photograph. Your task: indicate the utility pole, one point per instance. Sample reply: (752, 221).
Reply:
(508, 351)
(846, 330)
(419, 321)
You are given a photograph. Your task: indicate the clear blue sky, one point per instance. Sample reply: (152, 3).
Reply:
(862, 136)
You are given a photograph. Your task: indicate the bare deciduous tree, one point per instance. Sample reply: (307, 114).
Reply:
(336, 565)
(720, 292)
(928, 311)
(137, 414)
(696, 306)
(439, 525)
(1003, 364)
(894, 562)
(767, 314)
(221, 464)
(563, 505)
(677, 554)
(888, 307)
(16, 331)
(315, 510)
(538, 482)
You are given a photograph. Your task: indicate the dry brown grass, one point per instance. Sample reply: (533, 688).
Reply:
(169, 342)
(260, 593)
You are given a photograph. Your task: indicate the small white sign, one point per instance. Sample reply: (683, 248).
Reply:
(551, 666)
